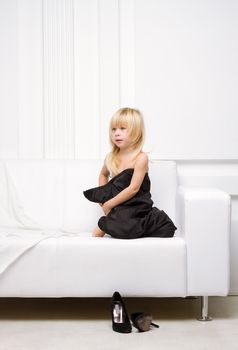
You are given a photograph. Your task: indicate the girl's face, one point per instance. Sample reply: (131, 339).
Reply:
(121, 137)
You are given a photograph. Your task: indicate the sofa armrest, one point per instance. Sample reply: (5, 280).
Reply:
(203, 217)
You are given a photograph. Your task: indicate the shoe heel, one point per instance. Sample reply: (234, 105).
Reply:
(154, 325)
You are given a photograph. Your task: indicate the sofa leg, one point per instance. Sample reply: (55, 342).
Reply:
(204, 310)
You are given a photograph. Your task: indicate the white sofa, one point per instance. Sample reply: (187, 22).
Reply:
(193, 263)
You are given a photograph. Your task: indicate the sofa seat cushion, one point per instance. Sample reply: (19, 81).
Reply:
(85, 266)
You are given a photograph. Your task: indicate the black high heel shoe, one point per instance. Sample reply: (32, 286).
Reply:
(120, 320)
(142, 321)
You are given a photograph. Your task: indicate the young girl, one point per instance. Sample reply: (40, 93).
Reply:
(126, 199)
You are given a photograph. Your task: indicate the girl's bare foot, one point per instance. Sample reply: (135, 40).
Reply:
(97, 232)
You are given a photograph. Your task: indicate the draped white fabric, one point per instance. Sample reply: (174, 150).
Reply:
(18, 232)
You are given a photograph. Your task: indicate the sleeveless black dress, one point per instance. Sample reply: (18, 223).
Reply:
(135, 218)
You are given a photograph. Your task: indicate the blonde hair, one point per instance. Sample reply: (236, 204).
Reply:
(133, 120)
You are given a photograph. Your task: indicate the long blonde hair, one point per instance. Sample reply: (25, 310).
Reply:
(133, 120)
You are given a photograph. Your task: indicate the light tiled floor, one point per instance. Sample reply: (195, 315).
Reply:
(57, 324)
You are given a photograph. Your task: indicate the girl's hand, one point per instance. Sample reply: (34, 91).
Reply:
(106, 208)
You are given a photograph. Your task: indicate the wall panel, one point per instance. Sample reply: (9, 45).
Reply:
(8, 80)
(29, 115)
(187, 77)
(108, 67)
(86, 79)
(58, 77)
(127, 53)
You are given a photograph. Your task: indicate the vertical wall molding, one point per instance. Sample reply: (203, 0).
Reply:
(76, 67)
(127, 53)
(58, 70)
(9, 79)
(29, 79)
(109, 69)
(87, 79)
(117, 61)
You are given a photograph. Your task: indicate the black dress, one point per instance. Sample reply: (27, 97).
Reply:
(135, 218)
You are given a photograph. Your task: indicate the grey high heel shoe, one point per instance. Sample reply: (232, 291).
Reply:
(142, 321)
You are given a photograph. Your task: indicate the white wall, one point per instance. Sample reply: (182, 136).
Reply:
(187, 76)
(8, 79)
(67, 65)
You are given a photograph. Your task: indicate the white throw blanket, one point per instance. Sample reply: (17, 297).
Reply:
(18, 232)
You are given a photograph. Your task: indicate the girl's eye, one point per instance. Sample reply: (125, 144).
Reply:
(121, 128)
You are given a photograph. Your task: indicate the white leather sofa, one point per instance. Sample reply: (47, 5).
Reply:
(193, 263)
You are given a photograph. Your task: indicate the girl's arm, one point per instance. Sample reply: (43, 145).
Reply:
(103, 176)
(140, 169)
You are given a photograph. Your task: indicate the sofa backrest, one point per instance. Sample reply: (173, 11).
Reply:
(51, 191)
(163, 176)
